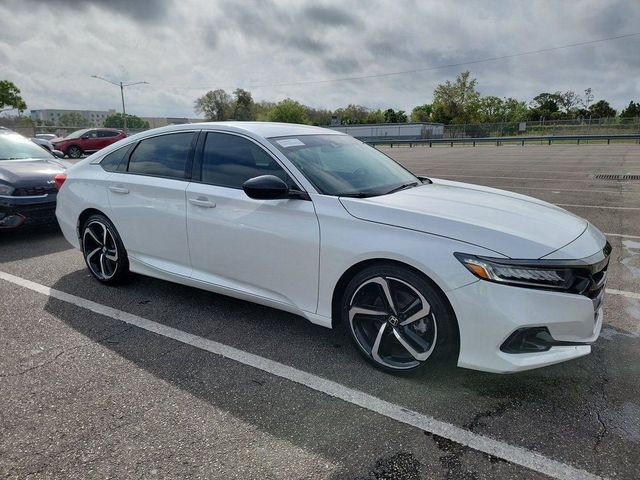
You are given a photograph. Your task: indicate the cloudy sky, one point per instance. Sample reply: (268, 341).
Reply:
(51, 48)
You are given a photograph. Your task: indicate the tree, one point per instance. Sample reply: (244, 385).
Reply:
(601, 109)
(262, 110)
(632, 110)
(352, 114)
(422, 113)
(10, 98)
(133, 121)
(570, 101)
(288, 111)
(490, 110)
(588, 97)
(456, 102)
(319, 116)
(515, 110)
(374, 116)
(391, 116)
(73, 119)
(546, 105)
(216, 105)
(243, 105)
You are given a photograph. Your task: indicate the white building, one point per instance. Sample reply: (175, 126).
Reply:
(392, 131)
(94, 117)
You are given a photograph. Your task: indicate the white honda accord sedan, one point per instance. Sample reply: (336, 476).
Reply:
(314, 222)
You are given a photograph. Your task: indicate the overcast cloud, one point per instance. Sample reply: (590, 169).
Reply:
(185, 48)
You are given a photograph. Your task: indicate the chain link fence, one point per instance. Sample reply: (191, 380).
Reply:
(588, 126)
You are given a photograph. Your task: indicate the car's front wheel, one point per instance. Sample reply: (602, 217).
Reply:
(397, 319)
(74, 151)
(103, 250)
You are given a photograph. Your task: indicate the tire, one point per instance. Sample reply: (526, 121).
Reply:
(74, 151)
(107, 261)
(398, 320)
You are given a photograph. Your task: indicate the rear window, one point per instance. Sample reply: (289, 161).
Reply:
(114, 161)
(107, 133)
(163, 156)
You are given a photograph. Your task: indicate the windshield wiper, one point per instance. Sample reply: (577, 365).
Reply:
(402, 187)
(354, 194)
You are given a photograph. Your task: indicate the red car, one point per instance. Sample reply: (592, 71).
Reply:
(88, 140)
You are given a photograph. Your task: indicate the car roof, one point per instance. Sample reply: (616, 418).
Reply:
(261, 129)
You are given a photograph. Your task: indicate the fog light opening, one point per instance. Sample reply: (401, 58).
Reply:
(528, 340)
(11, 221)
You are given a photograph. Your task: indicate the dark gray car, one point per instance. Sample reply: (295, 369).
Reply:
(27, 182)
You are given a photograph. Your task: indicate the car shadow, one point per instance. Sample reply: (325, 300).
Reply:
(31, 242)
(266, 401)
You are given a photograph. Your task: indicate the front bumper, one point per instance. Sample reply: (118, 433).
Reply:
(488, 313)
(16, 212)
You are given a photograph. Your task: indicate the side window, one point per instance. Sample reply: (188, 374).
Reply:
(92, 134)
(164, 156)
(114, 161)
(106, 133)
(230, 160)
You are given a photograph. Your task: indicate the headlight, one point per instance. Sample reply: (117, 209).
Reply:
(6, 189)
(524, 273)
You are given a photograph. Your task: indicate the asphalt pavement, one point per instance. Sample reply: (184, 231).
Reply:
(84, 394)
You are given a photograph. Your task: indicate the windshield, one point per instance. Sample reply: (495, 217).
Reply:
(343, 166)
(77, 133)
(16, 147)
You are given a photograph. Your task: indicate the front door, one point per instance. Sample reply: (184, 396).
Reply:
(267, 248)
(90, 141)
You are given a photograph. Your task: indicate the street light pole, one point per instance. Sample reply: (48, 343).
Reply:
(121, 85)
(124, 113)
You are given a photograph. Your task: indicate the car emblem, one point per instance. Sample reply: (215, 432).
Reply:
(393, 321)
(51, 182)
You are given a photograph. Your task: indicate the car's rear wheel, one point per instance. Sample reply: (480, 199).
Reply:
(103, 250)
(397, 319)
(74, 151)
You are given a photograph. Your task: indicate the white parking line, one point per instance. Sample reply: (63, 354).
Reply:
(622, 293)
(519, 187)
(597, 206)
(622, 235)
(516, 455)
(537, 179)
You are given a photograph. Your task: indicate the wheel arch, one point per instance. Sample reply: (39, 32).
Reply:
(69, 147)
(346, 277)
(86, 213)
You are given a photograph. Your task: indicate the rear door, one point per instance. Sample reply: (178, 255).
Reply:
(267, 248)
(148, 201)
(106, 137)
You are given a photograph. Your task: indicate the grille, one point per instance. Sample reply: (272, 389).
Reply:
(34, 191)
(591, 283)
(614, 176)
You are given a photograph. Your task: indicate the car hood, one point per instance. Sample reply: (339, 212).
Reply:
(508, 223)
(33, 172)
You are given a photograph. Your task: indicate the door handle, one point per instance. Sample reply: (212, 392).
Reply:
(202, 202)
(120, 190)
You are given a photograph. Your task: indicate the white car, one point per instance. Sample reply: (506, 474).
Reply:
(46, 136)
(46, 144)
(314, 222)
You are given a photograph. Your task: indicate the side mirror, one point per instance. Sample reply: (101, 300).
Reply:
(266, 187)
(85, 137)
(58, 153)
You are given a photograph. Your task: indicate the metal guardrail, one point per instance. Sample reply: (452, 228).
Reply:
(502, 140)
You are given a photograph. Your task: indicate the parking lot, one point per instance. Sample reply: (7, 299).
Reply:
(138, 381)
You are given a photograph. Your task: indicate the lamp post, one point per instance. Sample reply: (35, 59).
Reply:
(121, 85)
